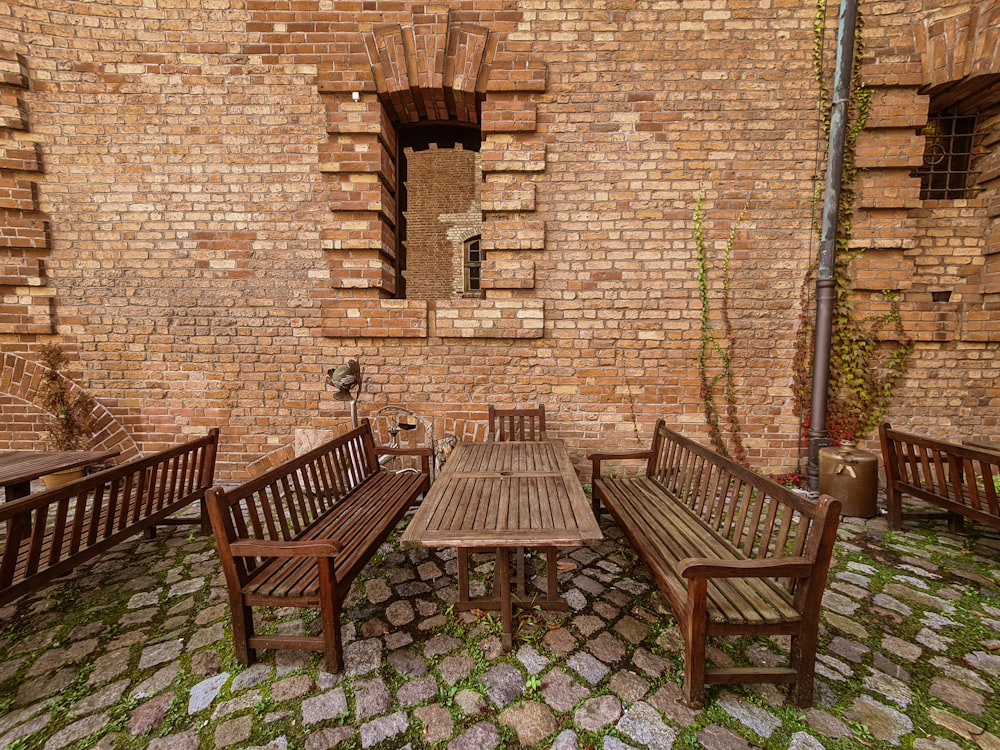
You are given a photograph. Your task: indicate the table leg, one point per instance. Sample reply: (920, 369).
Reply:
(522, 588)
(552, 573)
(506, 614)
(14, 491)
(463, 576)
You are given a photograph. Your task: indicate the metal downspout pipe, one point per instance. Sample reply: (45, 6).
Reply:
(826, 282)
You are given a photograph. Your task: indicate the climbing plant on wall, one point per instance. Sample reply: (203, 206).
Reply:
(715, 364)
(866, 364)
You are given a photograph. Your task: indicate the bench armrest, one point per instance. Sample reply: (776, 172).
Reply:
(597, 458)
(266, 548)
(771, 567)
(424, 453)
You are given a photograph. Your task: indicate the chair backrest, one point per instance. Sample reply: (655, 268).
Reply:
(517, 425)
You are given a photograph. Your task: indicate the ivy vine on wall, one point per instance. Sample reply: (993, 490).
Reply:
(715, 363)
(866, 365)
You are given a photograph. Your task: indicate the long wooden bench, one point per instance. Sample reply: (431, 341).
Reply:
(732, 552)
(962, 479)
(50, 533)
(298, 535)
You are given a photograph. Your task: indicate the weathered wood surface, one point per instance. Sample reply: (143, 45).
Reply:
(964, 480)
(500, 494)
(49, 533)
(504, 496)
(301, 533)
(19, 468)
(517, 425)
(733, 552)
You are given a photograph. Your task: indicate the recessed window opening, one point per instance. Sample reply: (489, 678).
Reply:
(473, 265)
(440, 212)
(947, 169)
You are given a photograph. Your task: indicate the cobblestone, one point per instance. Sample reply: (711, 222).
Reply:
(894, 642)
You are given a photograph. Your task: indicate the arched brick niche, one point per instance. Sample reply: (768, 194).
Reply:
(19, 387)
(432, 71)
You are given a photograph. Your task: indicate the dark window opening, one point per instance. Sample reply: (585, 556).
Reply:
(473, 265)
(438, 208)
(946, 171)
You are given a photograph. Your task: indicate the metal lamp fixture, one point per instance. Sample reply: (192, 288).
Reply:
(346, 379)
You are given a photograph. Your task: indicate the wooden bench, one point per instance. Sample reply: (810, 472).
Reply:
(732, 552)
(962, 479)
(298, 535)
(50, 533)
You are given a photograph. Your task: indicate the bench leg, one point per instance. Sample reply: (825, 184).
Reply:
(330, 615)
(242, 617)
(802, 658)
(206, 522)
(694, 629)
(893, 510)
(955, 523)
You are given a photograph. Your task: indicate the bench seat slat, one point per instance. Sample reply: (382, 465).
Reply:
(381, 504)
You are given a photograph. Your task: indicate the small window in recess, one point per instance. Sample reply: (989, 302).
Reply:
(473, 265)
(947, 156)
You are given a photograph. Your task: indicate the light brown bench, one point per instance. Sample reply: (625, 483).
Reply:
(298, 535)
(50, 533)
(964, 480)
(733, 553)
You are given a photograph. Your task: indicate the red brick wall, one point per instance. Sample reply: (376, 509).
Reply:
(214, 212)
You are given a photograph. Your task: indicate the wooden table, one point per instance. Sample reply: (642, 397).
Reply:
(19, 468)
(501, 496)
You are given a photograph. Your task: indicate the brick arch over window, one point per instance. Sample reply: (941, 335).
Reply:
(21, 379)
(432, 71)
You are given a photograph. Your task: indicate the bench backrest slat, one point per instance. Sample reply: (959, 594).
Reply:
(756, 515)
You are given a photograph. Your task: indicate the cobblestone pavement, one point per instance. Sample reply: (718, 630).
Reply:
(133, 651)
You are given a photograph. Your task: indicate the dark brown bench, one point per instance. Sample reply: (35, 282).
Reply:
(298, 535)
(964, 480)
(732, 552)
(50, 533)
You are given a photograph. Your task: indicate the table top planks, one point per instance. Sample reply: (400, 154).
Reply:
(505, 494)
(23, 466)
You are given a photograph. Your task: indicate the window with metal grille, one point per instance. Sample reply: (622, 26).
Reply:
(473, 264)
(947, 156)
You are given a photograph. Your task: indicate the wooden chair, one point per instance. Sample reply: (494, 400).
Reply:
(520, 425)
(517, 425)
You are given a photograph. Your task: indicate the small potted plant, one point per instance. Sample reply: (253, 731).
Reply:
(69, 411)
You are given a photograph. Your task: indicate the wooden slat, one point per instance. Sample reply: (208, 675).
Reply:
(336, 493)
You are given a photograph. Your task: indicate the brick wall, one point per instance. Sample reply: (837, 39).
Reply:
(214, 211)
